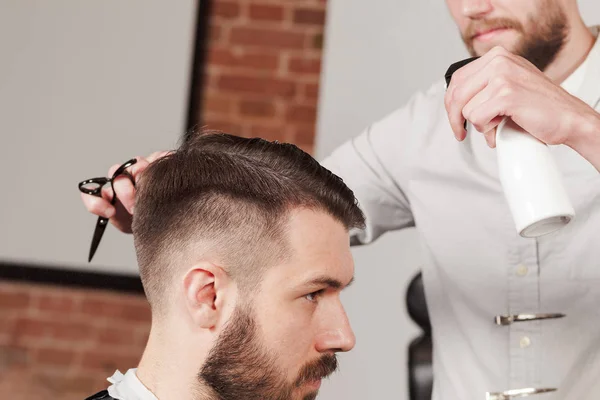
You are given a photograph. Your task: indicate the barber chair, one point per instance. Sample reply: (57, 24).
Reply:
(420, 367)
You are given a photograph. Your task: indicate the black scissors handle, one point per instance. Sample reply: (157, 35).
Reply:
(103, 222)
(94, 187)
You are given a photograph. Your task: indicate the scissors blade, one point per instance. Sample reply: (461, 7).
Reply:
(98, 232)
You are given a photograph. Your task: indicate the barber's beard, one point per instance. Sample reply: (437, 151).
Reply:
(539, 44)
(239, 367)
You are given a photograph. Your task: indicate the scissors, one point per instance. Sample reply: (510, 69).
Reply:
(94, 187)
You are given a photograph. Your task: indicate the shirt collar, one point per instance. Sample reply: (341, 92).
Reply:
(584, 82)
(129, 387)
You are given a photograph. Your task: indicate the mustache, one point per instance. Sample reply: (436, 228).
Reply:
(318, 369)
(490, 24)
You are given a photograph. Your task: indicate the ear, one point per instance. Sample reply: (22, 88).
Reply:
(204, 286)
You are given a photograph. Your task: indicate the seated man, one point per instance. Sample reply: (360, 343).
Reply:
(243, 248)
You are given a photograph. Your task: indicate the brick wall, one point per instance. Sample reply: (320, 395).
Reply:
(261, 80)
(264, 63)
(64, 342)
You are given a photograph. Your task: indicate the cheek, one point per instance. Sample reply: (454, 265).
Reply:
(456, 12)
(287, 330)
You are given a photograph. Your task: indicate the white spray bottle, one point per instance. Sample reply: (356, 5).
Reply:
(529, 176)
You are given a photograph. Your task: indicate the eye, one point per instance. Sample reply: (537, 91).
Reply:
(314, 296)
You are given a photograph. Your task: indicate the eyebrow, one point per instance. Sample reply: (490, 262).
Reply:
(328, 281)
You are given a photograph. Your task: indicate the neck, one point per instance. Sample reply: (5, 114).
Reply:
(574, 52)
(169, 370)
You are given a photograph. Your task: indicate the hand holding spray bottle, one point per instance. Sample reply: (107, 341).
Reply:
(529, 176)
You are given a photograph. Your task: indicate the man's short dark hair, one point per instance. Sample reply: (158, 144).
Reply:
(228, 196)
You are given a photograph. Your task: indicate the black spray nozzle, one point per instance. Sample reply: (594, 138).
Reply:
(455, 67)
(452, 69)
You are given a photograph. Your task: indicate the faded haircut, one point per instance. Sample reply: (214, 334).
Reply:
(228, 197)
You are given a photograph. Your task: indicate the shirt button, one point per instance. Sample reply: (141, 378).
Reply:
(522, 270)
(525, 342)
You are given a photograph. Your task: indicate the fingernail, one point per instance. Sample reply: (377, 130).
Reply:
(109, 212)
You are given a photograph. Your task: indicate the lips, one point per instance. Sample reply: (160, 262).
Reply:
(487, 31)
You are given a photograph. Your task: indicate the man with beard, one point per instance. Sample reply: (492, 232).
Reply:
(243, 249)
(539, 65)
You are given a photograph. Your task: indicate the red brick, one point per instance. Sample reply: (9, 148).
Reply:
(128, 310)
(307, 147)
(222, 125)
(14, 355)
(316, 41)
(21, 383)
(267, 12)
(142, 336)
(109, 360)
(311, 90)
(305, 135)
(253, 60)
(269, 132)
(14, 300)
(309, 16)
(303, 114)
(217, 104)
(215, 32)
(226, 9)
(7, 327)
(257, 108)
(267, 38)
(56, 303)
(257, 85)
(28, 327)
(49, 356)
(74, 386)
(305, 65)
(116, 336)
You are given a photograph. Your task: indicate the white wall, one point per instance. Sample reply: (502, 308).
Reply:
(377, 54)
(83, 84)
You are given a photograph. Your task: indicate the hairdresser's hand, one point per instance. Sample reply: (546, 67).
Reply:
(121, 214)
(502, 84)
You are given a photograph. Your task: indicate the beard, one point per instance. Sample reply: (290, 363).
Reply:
(540, 44)
(239, 367)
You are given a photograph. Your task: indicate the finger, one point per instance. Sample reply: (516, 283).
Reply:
(136, 169)
(125, 192)
(488, 115)
(492, 80)
(457, 122)
(107, 193)
(98, 206)
(490, 138)
(124, 187)
(482, 63)
(466, 83)
(113, 169)
(473, 109)
(122, 219)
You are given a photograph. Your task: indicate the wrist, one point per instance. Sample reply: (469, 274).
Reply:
(585, 139)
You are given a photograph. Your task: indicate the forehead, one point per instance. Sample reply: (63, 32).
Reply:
(319, 245)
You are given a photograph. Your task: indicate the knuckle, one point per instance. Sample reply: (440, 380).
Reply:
(113, 168)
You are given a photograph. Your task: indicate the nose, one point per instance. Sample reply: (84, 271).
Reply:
(337, 334)
(476, 8)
